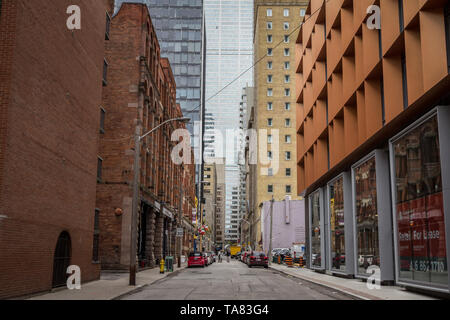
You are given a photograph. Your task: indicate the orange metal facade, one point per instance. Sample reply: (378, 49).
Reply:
(356, 87)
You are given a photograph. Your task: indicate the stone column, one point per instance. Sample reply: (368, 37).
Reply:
(150, 240)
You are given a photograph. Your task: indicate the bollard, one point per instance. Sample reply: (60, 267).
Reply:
(161, 266)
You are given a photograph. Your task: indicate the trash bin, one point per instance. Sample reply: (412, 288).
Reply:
(169, 264)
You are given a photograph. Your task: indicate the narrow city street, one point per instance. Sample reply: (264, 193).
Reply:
(233, 281)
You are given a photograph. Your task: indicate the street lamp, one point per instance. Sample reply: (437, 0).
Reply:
(137, 168)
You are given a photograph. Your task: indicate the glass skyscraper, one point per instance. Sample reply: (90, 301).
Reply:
(229, 52)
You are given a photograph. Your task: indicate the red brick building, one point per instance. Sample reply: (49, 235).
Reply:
(139, 91)
(50, 96)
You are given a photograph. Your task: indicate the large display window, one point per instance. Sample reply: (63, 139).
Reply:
(366, 216)
(316, 230)
(418, 198)
(337, 226)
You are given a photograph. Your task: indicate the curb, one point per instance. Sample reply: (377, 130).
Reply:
(340, 289)
(143, 286)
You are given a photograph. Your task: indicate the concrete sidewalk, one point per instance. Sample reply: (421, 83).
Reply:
(354, 287)
(110, 286)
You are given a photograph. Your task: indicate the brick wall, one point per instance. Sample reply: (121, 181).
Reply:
(49, 102)
(141, 91)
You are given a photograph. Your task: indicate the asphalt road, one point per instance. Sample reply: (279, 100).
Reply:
(233, 281)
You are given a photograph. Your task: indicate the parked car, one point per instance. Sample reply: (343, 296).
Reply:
(209, 258)
(196, 259)
(244, 257)
(258, 258)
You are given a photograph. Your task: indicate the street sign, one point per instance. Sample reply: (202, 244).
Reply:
(180, 232)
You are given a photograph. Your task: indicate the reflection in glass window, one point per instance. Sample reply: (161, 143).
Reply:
(316, 259)
(368, 252)
(419, 205)
(337, 224)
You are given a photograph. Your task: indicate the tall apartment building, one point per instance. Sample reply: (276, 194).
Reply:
(373, 145)
(140, 99)
(214, 186)
(276, 29)
(50, 97)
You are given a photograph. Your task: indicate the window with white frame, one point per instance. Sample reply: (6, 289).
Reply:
(286, 39)
(287, 92)
(287, 139)
(269, 106)
(287, 106)
(287, 52)
(269, 52)
(270, 122)
(287, 65)
(287, 155)
(269, 38)
(287, 123)
(269, 65)
(269, 25)
(269, 12)
(287, 78)
(269, 92)
(269, 78)
(269, 139)
(302, 12)
(286, 12)
(286, 26)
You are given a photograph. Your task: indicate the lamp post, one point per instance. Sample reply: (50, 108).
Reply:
(136, 199)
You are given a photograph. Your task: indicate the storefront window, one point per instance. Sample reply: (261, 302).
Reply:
(337, 224)
(366, 216)
(316, 258)
(419, 205)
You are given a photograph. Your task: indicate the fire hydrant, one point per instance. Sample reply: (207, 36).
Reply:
(161, 266)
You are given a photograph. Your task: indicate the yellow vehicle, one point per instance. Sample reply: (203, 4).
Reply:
(234, 250)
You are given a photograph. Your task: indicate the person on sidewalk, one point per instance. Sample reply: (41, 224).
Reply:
(228, 257)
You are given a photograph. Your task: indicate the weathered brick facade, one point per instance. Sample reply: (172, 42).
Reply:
(140, 92)
(50, 96)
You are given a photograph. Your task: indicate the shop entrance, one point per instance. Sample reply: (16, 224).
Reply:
(61, 260)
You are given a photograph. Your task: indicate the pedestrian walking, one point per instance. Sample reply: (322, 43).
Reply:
(228, 257)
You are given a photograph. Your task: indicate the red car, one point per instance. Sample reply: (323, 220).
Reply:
(244, 257)
(196, 259)
(258, 258)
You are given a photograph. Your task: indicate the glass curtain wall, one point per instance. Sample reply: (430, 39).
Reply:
(337, 228)
(316, 252)
(366, 216)
(419, 205)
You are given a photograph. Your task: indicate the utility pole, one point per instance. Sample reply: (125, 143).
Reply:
(134, 212)
(136, 196)
(180, 225)
(271, 226)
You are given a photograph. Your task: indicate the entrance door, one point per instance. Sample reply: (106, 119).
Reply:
(61, 260)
